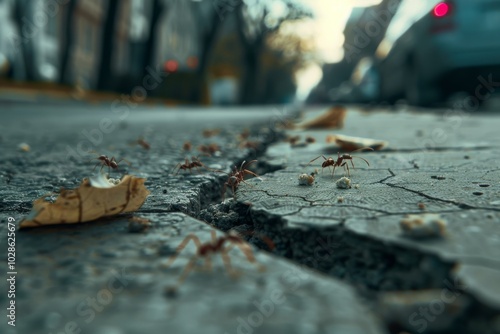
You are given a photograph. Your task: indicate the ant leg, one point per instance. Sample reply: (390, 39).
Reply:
(175, 168)
(247, 251)
(183, 244)
(363, 160)
(227, 262)
(188, 268)
(347, 165)
(246, 171)
(93, 170)
(245, 182)
(208, 259)
(224, 189)
(123, 159)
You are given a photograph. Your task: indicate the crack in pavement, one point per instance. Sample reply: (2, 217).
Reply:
(458, 204)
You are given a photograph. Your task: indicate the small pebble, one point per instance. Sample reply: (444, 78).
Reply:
(343, 183)
(171, 292)
(340, 199)
(136, 226)
(477, 193)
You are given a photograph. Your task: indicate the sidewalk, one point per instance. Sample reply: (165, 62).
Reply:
(341, 263)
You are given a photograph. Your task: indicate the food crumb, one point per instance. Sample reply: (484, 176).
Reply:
(24, 147)
(343, 183)
(423, 226)
(306, 180)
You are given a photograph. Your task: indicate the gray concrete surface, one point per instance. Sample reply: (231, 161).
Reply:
(364, 276)
(457, 177)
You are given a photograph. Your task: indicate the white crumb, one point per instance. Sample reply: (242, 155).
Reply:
(343, 183)
(425, 225)
(306, 180)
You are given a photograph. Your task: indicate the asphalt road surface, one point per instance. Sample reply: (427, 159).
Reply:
(339, 261)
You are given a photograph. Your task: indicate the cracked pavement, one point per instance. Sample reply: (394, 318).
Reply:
(340, 262)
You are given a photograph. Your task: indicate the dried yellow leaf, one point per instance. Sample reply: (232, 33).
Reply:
(331, 119)
(348, 143)
(95, 198)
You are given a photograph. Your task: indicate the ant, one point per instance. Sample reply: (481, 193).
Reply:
(104, 160)
(253, 145)
(187, 146)
(216, 245)
(341, 160)
(209, 149)
(347, 156)
(207, 133)
(195, 163)
(237, 176)
(145, 145)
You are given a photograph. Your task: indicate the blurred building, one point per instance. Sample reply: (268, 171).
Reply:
(35, 29)
(88, 23)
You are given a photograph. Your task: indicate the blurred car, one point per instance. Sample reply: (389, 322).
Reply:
(434, 48)
(362, 87)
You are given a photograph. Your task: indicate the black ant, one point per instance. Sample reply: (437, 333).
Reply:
(347, 156)
(341, 160)
(188, 165)
(237, 176)
(104, 160)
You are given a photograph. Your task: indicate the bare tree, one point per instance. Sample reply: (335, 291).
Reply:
(67, 40)
(108, 39)
(22, 11)
(208, 38)
(255, 24)
(159, 6)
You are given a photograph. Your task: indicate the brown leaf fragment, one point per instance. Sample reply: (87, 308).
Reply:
(95, 198)
(333, 118)
(348, 143)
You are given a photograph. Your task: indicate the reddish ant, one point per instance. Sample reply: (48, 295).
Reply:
(244, 135)
(341, 160)
(293, 140)
(209, 149)
(237, 176)
(310, 140)
(347, 156)
(145, 145)
(195, 163)
(187, 146)
(207, 133)
(111, 163)
(253, 145)
(216, 245)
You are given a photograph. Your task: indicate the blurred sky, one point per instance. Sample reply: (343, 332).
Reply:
(330, 17)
